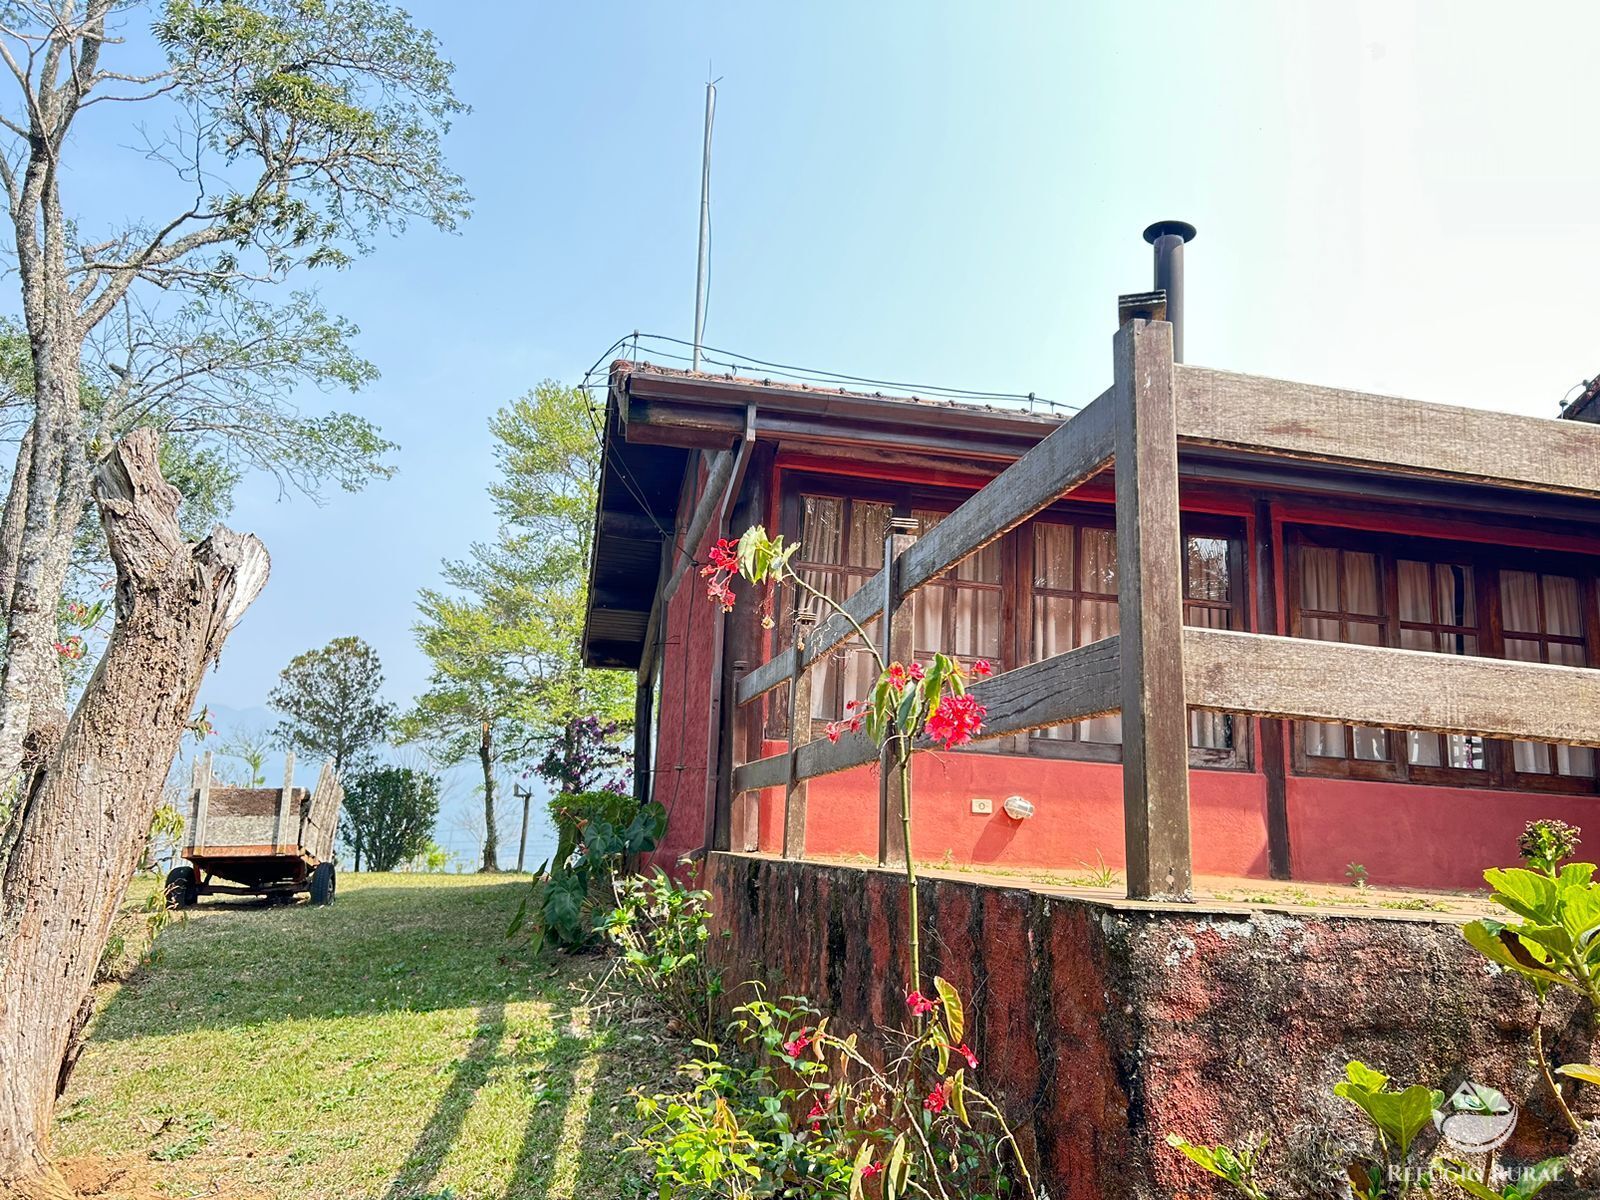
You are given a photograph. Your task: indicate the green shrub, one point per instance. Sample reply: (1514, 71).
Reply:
(663, 930)
(568, 905)
(794, 1109)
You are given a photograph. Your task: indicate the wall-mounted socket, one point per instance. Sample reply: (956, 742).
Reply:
(982, 806)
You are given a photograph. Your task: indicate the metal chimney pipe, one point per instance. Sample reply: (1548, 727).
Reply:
(1168, 238)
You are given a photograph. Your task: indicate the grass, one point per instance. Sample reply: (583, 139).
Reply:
(394, 1045)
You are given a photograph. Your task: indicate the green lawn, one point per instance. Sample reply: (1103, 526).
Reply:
(394, 1045)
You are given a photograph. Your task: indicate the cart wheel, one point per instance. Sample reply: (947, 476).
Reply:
(183, 889)
(322, 884)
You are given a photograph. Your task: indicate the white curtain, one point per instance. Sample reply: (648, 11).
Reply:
(1520, 596)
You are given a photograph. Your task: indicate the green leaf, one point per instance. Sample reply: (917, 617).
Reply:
(1526, 893)
(897, 1170)
(958, 1095)
(1363, 1076)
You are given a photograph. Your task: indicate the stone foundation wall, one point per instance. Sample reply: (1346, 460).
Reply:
(1104, 1027)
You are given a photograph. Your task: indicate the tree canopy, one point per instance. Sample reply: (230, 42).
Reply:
(389, 816)
(331, 704)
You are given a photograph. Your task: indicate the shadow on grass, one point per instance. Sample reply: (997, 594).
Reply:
(376, 949)
(467, 1076)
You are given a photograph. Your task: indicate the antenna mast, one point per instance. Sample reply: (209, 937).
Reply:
(705, 226)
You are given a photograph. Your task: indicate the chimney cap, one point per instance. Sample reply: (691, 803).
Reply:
(1161, 228)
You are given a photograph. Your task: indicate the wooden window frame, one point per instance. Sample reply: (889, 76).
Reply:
(1487, 560)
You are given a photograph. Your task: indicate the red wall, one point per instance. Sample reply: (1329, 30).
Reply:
(1404, 834)
(683, 739)
(1077, 819)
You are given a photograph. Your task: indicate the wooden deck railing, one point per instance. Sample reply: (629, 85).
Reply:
(1157, 669)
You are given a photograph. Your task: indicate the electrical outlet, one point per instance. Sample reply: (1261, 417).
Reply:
(982, 806)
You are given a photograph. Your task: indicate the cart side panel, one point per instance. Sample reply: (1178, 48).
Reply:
(244, 817)
(322, 816)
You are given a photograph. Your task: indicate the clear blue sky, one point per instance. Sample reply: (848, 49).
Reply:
(1393, 197)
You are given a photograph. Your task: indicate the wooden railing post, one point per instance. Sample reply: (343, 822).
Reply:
(1155, 736)
(899, 645)
(745, 817)
(794, 805)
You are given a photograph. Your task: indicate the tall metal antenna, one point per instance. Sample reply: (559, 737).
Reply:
(705, 224)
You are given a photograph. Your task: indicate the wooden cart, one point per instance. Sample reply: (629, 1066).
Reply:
(270, 842)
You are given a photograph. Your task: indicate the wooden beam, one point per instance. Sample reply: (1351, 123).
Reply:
(1274, 762)
(1155, 727)
(1082, 683)
(285, 795)
(1218, 408)
(1304, 680)
(898, 644)
(795, 798)
(769, 772)
(202, 801)
(1069, 455)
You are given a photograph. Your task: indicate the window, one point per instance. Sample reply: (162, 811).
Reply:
(1447, 600)
(1043, 589)
(1542, 616)
(1074, 602)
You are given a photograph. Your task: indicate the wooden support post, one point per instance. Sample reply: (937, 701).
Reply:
(202, 802)
(643, 697)
(285, 799)
(525, 794)
(1155, 732)
(899, 645)
(1274, 733)
(794, 806)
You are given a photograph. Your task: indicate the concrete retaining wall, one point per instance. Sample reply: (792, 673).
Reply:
(1104, 1027)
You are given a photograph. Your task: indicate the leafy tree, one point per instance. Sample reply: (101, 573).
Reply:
(389, 812)
(299, 130)
(250, 747)
(508, 682)
(476, 697)
(330, 703)
(586, 757)
(295, 132)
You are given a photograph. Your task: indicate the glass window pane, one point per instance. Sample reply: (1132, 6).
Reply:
(1418, 639)
(1524, 650)
(1361, 593)
(1467, 753)
(1416, 601)
(1531, 758)
(1098, 563)
(1204, 616)
(1324, 629)
(1561, 612)
(1575, 760)
(928, 608)
(1052, 555)
(868, 525)
(1054, 626)
(1207, 561)
(977, 623)
(822, 530)
(1423, 749)
(1319, 578)
(1567, 654)
(1519, 601)
(1325, 741)
(1210, 731)
(1096, 619)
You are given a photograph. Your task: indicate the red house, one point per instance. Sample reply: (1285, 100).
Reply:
(1453, 553)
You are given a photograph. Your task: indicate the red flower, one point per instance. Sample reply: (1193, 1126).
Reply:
(724, 555)
(820, 1109)
(833, 730)
(872, 1169)
(982, 668)
(797, 1047)
(916, 671)
(938, 1098)
(719, 572)
(955, 719)
(897, 677)
(919, 1004)
(972, 1059)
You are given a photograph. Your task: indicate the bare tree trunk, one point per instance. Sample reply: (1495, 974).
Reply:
(491, 841)
(86, 813)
